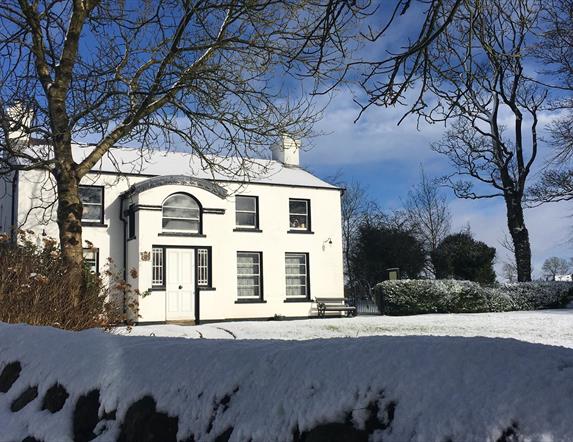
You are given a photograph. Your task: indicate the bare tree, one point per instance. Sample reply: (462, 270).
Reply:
(428, 213)
(555, 50)
(555, 184)
(354, 208)
(509, 268)
(555, 266)
(473, 75)
(357, 208)
(509, 271)
(388, 79)
(484, 86)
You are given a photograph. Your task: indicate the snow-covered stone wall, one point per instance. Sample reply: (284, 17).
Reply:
(63, 386)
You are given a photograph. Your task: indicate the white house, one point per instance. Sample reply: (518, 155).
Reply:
(262, 240)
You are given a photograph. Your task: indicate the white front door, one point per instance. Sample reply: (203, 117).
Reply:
(180, 284)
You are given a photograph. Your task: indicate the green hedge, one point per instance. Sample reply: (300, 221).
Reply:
(410, 297)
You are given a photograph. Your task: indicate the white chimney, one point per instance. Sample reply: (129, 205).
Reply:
(287, 151)
(19, 121)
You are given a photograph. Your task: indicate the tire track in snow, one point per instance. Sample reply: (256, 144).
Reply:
(228, 331)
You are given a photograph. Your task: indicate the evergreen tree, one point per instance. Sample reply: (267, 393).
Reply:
(460, 256)
(379, 248)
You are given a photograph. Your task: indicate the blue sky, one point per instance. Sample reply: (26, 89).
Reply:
(386, 159)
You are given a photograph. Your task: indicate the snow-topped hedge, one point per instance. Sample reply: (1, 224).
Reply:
(409, 297)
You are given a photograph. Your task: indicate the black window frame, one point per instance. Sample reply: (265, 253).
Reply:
(209, 283)
(102, 210)
(182, 232)
(253, 300)
(131, 223)
(306, 229)
(243, 228)
(96, 252)
(163, 248)
(306, 298)
(158, 286)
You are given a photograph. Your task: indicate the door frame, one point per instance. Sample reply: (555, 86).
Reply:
(197, 298)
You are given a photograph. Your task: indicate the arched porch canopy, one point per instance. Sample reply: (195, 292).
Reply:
(180, 180)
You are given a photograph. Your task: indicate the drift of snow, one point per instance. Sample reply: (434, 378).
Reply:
(553, 327)
(445, 388)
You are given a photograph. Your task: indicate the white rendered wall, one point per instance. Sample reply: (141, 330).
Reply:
(325, 260)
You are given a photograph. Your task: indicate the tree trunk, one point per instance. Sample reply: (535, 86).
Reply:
(69, 221)
(70, 226)
(520, 237)
(67, 182)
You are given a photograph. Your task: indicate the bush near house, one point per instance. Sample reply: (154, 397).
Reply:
(34, 288)
(410, 297)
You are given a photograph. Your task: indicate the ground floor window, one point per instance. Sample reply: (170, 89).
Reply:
(249, 275)
(203, 267)
(296, 270)
(91, 259)
(157, 267)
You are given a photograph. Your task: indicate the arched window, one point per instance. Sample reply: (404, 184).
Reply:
(181, 212)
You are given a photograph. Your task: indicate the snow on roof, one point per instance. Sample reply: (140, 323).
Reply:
(234, 169)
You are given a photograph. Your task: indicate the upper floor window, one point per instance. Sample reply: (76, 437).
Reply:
(246, 211)
(92, 201)
(181, 212)
(299, 214)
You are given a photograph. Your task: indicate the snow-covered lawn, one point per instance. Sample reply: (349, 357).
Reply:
(552, 327)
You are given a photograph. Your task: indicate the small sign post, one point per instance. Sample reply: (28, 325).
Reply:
(393, 273)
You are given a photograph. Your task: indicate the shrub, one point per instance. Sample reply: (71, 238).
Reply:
(410, 297)
(34, 288)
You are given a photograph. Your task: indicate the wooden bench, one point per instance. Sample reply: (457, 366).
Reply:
(324, 305)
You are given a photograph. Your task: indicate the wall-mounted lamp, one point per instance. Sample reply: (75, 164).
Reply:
(327, 241)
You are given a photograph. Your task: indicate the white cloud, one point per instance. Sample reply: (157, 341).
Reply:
(374, 137)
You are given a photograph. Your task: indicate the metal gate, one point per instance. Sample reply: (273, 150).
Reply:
(361, 296)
